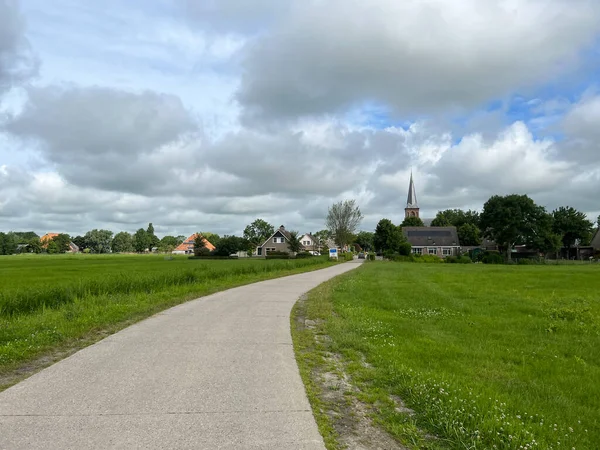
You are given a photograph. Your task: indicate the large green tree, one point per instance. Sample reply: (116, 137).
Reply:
(365, 240)
(99, 240)
(80, 242)
(572, 225)
(412, 222)
(168, 243)
(258, 232)
(122, 242)
(343, 218)
(388, 237)
(154, 240)
(455, 217)
(229, 245)
(34, 245)
(63, 242)
(469, 234)
(141, 241)
(511, 220)
(8, 244)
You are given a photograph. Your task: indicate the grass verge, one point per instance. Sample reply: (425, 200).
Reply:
(95, 300)
(480, 357)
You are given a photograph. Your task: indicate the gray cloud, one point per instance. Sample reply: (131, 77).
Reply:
(17, 62)
(106, 138)
(416, 57)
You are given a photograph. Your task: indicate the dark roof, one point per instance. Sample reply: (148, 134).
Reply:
(431, 236)
(279, 231)
(411, 201)
(596, 240)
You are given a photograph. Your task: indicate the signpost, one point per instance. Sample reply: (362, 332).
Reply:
(333, 253)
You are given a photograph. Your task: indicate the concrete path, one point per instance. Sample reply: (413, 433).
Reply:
(215, 373)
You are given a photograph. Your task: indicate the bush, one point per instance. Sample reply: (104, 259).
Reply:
(280, 255)
(426, 259)
(464, 259)
(525, 262)
(348, 256)
(492, 258)
(371, 256)
(304, 255)
(405, 249)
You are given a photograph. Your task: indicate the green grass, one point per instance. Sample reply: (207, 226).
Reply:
(59, 303)
(504, 356)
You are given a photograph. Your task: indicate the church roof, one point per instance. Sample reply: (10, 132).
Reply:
(411, 201)
(431, 236)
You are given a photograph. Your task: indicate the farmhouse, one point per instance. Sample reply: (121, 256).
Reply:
(45, 239)
(277, 242)
(309, 243)
(187, 246)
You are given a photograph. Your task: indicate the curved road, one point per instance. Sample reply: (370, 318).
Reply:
(214, 373)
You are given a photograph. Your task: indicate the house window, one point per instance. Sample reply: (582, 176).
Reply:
(278, 240)
(417, 250)
(432, 251)
(446, 251)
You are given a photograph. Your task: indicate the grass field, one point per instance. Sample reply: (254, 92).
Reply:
(51, 305)
(503, 357)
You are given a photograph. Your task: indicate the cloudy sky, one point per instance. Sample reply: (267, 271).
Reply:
(206, 114)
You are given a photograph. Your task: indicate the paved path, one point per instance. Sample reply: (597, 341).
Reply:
(215, 373)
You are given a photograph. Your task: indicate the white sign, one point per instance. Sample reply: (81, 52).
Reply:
(333, 253)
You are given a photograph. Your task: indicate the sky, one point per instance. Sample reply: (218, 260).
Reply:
(205, 115)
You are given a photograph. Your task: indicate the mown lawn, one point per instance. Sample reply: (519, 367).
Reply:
(51, 305)
(503, 357)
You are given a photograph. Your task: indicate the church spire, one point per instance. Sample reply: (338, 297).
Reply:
(411, 201)
(412, 207)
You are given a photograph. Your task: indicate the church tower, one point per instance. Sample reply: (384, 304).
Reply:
(412, 208)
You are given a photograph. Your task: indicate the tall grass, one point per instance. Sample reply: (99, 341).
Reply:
(51, 306)
(27, 299)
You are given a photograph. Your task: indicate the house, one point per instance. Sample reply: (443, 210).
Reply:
(45, 239)
(438, 241)
(310, 243)
(187, 246)
(277, 242)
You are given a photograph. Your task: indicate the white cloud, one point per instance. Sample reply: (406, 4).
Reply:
(328, 56)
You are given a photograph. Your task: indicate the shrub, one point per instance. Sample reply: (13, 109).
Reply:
(281, 255)
(464, 259)
(492, 258)
(405, 249)
(371, 256)
(304, 255)
(348, 256)
(525, 262)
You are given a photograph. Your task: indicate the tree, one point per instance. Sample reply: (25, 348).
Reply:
(388, 237)
(510, 220)
(199, 244)
(343, 218)
(168, 244)
(141, 240)
(598, 221)
(122, 242)
(23, 237)
(63, 243)
(322, 236)
(456, 218)
(229, 245)
(258, 232)
(99, 240)
(34, 245)
(154, 241)
(572, 226)
(213, 238)
(294, 243)
(412, 222)
(469, 234)
(365, 240)
(8, 244)
(80, 242)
